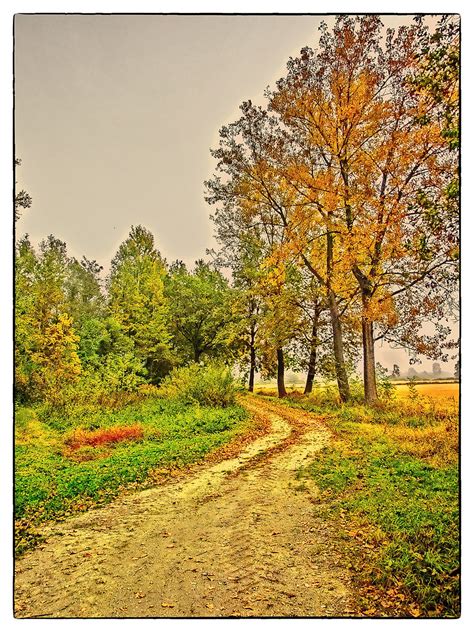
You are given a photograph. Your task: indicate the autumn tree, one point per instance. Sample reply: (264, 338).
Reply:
(249, 182)
(46, 342)
(361, 158)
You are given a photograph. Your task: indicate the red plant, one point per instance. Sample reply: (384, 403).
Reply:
(104, 435)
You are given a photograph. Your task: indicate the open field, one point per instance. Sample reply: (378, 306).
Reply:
(436, 390)
(439, 391)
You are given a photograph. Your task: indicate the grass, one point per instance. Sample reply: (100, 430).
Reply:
(68, 463)
(392, 474)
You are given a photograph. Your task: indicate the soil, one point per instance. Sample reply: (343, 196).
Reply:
(243, 537)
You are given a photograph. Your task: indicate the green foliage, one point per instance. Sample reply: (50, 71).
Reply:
(209, 385)
(50, 483)
(200, 314)
(385, 388)
(137, 301)
(83, 292)
(46, 342)
(416, 507)
(22, 198)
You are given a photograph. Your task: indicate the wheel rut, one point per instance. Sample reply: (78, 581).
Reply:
(242, 537)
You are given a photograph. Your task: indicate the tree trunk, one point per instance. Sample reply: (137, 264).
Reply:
(370, 384)
(312, 355)
(252, 364)
(368, 345)
(311, 371)
(281, 374)
(197, 354)
(341, 373)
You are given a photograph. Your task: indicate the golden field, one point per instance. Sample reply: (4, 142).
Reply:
(435, 391)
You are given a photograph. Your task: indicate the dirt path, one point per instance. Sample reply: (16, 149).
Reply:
(240, 538)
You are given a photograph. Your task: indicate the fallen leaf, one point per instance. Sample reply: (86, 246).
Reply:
(167, 605)
(139, 595)
(210, 606)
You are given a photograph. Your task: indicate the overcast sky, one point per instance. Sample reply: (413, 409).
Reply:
(115, 115)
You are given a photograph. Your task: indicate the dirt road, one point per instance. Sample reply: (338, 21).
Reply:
(239, 538)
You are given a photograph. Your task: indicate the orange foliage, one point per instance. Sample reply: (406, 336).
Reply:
(104, 435)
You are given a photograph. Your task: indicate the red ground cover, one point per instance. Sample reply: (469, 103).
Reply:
(104, 435)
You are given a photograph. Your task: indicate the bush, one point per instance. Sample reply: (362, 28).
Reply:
(211, 385)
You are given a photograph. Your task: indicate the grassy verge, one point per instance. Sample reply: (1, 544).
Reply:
(69, 463)
(391, 477)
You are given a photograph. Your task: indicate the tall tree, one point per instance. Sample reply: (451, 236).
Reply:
(46, 342)
(138, 303)
(242, 251)
(361, 161)
(248, 182)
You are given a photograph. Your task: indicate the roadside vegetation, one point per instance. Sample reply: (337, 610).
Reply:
(70, 462)
(391, 479)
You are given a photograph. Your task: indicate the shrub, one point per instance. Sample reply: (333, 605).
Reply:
(210, 385)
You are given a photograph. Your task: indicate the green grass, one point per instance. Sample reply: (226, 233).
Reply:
(51, 483)
(397, 474)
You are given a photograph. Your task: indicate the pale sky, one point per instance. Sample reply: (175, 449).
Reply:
(115, 116)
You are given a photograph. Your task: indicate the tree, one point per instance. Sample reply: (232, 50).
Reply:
(242, 252)
(22, 198)
(86, 305)
(436, 368)
(137, 301)
(396, 371)
(281, 320)
(46, 342)
(83, 290)
(55, 358)
(25, 317)
(362, 155)
(248, 183)
(199, 311)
